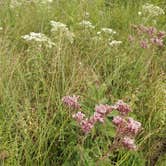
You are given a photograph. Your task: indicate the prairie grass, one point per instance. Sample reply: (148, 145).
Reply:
(35, 127)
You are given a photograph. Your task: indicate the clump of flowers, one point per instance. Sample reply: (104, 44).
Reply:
(19, 3)
(126, 127)
(114, 43)
(71, 101)
(86, 24)
(39, 38)
(147, 36)
(152, 10)
(62, 29)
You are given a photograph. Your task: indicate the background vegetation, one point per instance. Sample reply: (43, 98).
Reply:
(35, 127)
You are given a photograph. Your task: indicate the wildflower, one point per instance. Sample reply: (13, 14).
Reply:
(86, 24)
(131, 38)
(151, 31)
(122, 107)
(157, 41)
(86, 126)
(161, 34)
(97, 117)
(39, 38)
(129, 143)
(133, 126)
(101, 111)
(58, 26)
(118, 121)
(144, 44)
(152, 10)
(115, 43)
(79, 116)
(62, 28)
(71, 101)
(139, 13)
(108, 31)
(1, 28)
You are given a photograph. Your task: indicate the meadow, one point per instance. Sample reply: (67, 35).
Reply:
(100, 50)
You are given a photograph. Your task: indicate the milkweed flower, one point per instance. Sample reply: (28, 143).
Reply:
(129, 143)
(71, 101)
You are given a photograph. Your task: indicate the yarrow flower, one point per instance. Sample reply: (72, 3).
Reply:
(86, 24)
(62, 28)
(108, 31)
(71, 101)
(39, 38)
(115, 43)
(152, 10)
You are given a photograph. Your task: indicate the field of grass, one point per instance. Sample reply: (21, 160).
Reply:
(36, 129)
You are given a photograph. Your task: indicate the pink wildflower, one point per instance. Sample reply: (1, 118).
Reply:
(129, 143)
(79, 116)
(151, 31)
(161, 34)
(71, 101)
(86, 126)
(133, 126)
(131, 38)
(122, 107)
(157, 41)
(118, 121)
(144, 44)
(97, 117)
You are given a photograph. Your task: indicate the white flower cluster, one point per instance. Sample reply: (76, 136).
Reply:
(60, 27)
(39, 38)
(19, 3)
(152, 10)
(1, 28)
(86, 24)
(115, 43)
(108, 31)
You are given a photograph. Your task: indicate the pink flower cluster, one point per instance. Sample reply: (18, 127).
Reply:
(148, 36)
(99, 115)
(71, 101)
(126, 127)
(122, 107)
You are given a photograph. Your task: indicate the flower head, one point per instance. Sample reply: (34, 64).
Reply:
(122, 107)
(129, 143)
(71, 101)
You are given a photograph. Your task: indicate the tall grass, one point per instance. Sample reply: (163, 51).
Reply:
(35, 128)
